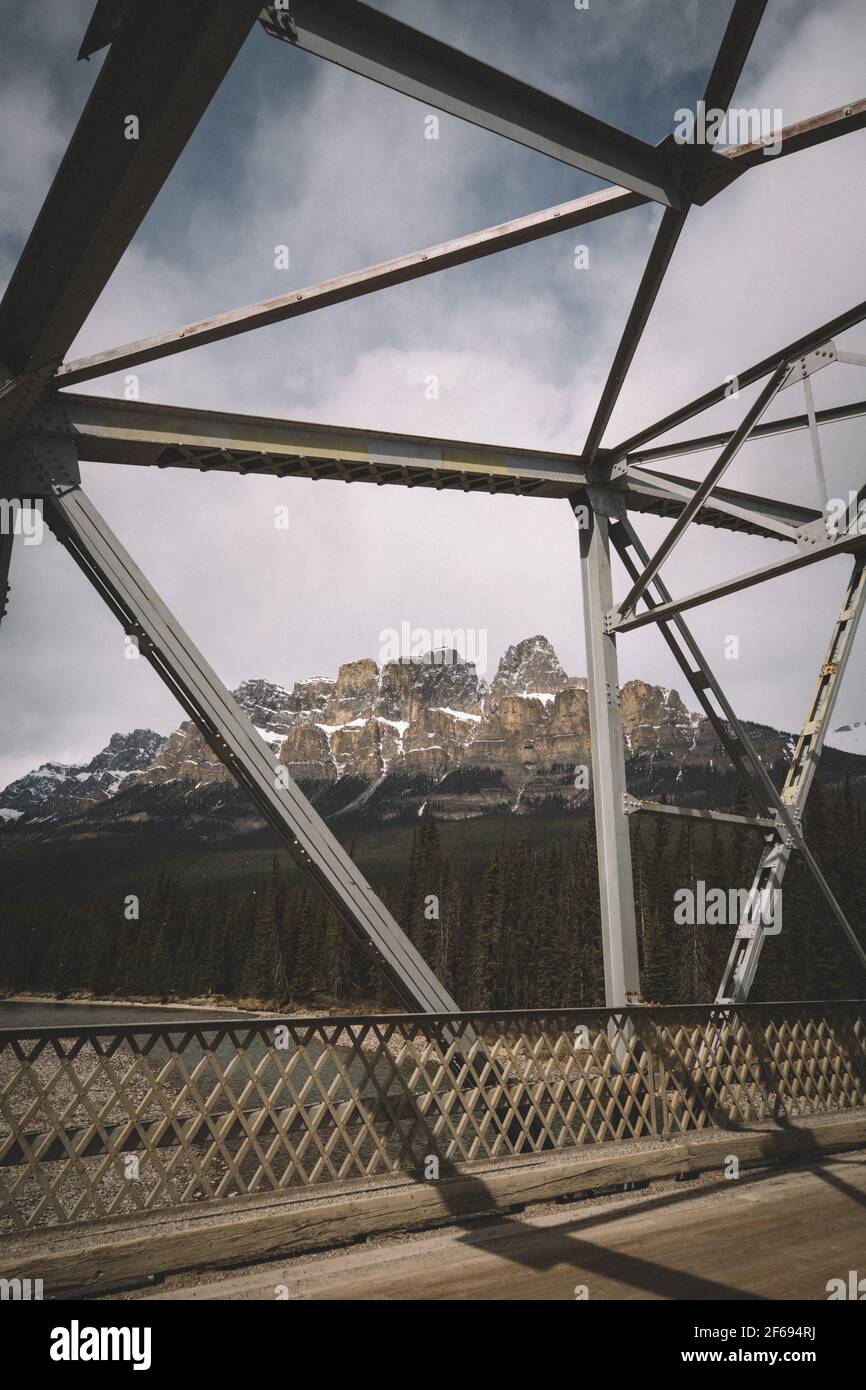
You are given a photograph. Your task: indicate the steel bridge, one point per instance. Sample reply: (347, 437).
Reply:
(165, 62)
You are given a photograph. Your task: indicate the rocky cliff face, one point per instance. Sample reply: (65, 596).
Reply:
(56, 790)
(384, 741)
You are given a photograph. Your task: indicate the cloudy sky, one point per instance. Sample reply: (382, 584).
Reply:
(298, 152)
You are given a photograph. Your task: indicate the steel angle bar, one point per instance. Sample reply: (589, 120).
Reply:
(696, 669)
(775, 857)
(742, 964)
(703, 491)
(6, 539)
(736, 42)
(743, 512)
(820, 475)
(664, 245)
(681, 490)
(803, 135)
(165, 64)
(801, 346)
(516, 232)
(181, 666)
(519, 231)
(370, 43)
(769, 428)
(736, 511)
(854, 359)
(661, 808)
(807, 753)
(845, 545)
(746, 950)
(104, 24)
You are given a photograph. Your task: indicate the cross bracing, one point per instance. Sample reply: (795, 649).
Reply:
(165, 62)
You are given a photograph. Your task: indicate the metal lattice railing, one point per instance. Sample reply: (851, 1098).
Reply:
(101, 1122)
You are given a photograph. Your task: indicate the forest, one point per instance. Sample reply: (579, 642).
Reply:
(521, 931)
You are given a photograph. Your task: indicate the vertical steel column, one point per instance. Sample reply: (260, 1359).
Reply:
(6, 539)
(618, 925)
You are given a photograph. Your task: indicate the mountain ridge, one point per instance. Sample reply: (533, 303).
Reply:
(385, 741)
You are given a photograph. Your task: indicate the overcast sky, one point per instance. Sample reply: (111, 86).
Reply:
(296, 151)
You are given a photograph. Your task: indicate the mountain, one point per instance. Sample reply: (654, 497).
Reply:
(381, 742)
(849, 738)
(57, 790)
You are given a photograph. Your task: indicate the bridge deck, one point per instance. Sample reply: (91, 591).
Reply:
(768, 1235)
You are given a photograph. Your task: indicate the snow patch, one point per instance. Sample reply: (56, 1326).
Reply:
(330, 729)
(399, 725)
(849, 738)
(272, 739)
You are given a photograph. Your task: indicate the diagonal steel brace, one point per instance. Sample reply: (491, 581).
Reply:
(746, 950)
(97, 551)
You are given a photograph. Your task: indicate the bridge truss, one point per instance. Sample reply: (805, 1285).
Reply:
(165, 62)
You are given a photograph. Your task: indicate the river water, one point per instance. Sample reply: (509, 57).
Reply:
(28, 1014)
(32, 1013)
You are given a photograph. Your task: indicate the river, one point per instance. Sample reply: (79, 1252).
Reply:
(35, 1013)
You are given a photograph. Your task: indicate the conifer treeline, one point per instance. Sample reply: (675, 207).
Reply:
(524, 933)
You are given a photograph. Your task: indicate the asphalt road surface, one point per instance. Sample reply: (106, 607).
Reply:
(779, 1235)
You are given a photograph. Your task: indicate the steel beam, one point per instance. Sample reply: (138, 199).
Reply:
(459, 251)
(618, 926)
(6, 540)
(815, 439)
(164, 66)
(769, 517)
(748, 943)
(370, 43)
(739, 34)
(787, 819)
(741, 750)
(846, 545)
(696, 669)
(118, 580)
(803, 345)
(737, 40)
(136, 432)
(681, 491)
(519, 231)
(106, 430)
(666, 238)
(661, 808)
(770, 428)
(104, 23)
(701, 493)
(802, 135)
